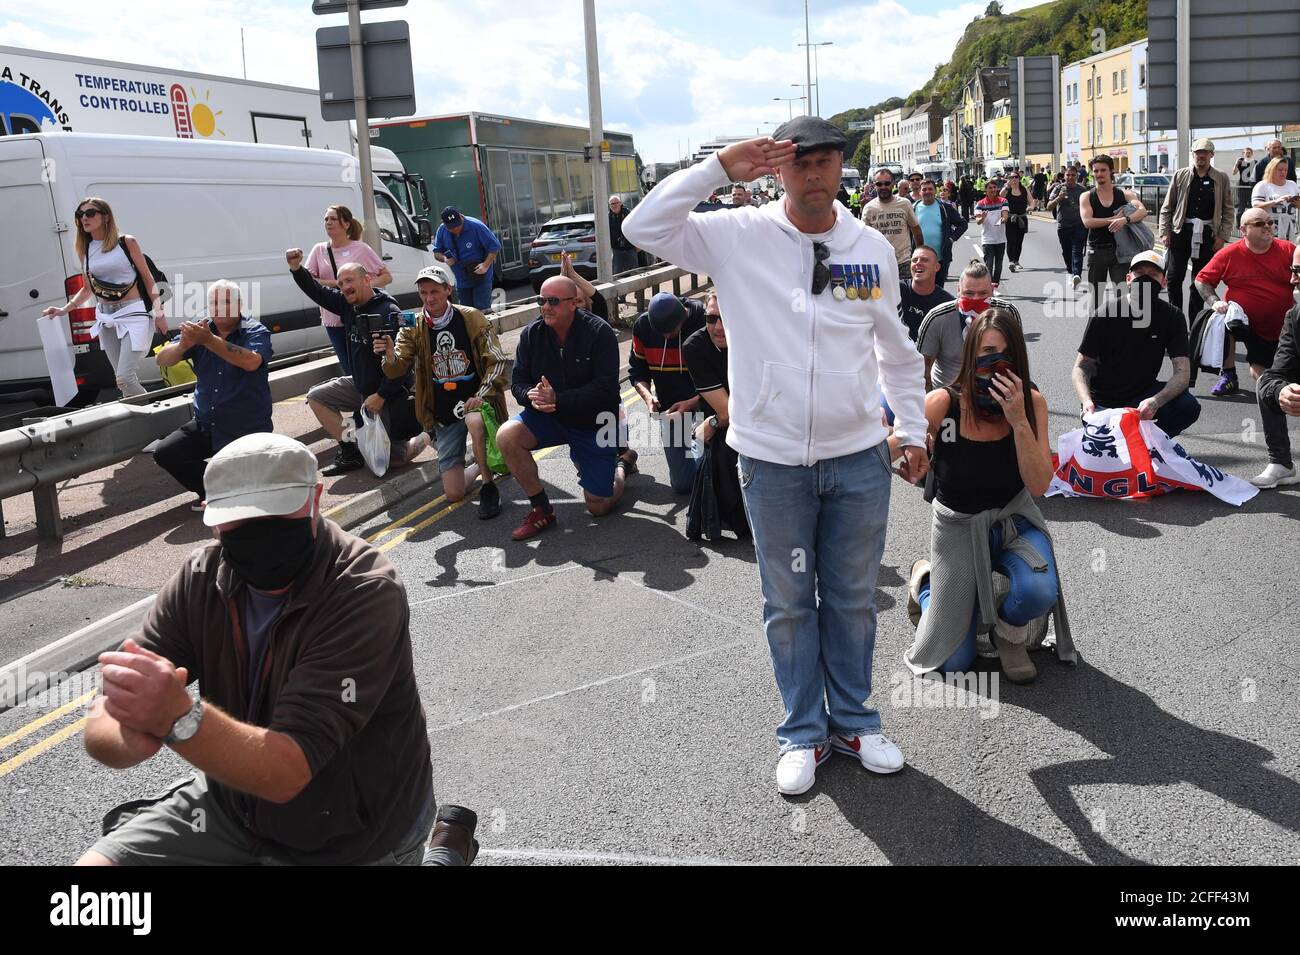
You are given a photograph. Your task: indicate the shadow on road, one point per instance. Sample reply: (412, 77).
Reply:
(914, 819)
(1147, 747)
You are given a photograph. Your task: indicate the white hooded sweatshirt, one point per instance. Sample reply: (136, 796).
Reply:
(806, 372)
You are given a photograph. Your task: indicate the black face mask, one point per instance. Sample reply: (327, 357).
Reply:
(269, 553)
(986, 366)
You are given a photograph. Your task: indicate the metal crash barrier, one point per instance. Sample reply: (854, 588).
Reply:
(636, 284)
(34, 458)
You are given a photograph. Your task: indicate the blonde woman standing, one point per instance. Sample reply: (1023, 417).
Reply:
(114, 268)
(342, 245)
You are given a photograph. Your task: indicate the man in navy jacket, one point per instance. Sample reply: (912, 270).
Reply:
(360, 306)
(566, 378)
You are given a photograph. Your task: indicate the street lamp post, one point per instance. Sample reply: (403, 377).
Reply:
(789, 101)
(816, 73)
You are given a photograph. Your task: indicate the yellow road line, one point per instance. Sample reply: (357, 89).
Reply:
(49, 742)
(50, 717)
(424, 508)
(8, 766)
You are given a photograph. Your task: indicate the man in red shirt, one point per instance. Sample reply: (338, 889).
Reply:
(1257, 273)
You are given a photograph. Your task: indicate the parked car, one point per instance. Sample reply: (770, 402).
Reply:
(1150, 186)
(574, 234)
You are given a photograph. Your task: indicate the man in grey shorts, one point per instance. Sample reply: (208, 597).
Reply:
(308, 734)
(461, 374)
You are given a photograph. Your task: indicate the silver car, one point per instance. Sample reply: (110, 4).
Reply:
(574, 234)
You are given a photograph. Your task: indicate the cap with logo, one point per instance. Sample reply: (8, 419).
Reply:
(258, 475)
(437, 273)
(1150, 257)
(666, 313)
(809, 134)
(451, 216)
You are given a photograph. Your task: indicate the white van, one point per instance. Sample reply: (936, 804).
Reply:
(201, 210)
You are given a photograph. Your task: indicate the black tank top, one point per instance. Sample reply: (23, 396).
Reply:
(973, 476)
(1018, 204)
(1103, 237)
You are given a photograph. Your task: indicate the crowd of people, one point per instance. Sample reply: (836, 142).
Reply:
(308, 739)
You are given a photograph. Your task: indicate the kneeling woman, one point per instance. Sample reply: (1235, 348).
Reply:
(991, 458)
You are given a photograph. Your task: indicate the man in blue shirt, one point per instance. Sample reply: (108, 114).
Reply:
(941, 225)
(232, 396)
(470, 248)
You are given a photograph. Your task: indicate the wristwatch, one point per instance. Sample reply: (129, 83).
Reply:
(713, 422)
(186, 725)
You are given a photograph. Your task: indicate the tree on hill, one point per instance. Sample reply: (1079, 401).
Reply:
(994, 9)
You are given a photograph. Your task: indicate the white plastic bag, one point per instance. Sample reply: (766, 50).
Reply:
(372, 441)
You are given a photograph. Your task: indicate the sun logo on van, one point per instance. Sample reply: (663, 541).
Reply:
(197, 119)
(205, 120)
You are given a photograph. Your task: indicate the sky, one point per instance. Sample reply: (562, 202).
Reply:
(673, 72)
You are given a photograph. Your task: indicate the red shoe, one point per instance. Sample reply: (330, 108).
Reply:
(534, 522)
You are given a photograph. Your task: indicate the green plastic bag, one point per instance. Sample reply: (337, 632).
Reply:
(494, 458)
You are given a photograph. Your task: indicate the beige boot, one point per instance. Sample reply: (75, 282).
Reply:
(1010, 642)
(920, 570)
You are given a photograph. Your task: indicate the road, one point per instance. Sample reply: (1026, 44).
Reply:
(603, 693)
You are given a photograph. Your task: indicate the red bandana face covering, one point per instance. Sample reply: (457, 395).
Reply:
(971, 306)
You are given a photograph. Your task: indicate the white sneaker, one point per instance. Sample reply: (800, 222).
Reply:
(1273, 475)
(1074, 280)
(876, 753)
(797, 769)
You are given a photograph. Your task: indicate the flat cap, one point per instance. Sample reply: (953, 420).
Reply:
(809, 134)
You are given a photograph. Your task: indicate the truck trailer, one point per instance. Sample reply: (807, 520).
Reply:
(513, 174)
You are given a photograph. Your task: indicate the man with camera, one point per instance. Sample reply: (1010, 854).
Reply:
(459, 368)
(366, 314)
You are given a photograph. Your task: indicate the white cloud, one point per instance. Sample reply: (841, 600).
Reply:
(690, 71)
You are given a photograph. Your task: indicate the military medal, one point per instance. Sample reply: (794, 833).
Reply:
(837, 283)
(876, 290)
(852, 290)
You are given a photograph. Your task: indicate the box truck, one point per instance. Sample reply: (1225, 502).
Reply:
(513, 174)
(48, 92)
(203, 210)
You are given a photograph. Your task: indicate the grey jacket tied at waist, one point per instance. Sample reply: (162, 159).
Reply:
(954, 536)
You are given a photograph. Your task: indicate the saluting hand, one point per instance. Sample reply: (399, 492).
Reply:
(754, 158)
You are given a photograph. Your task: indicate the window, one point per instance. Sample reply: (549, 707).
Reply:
(392, 224)
(1142, 76)
(1123, 79)
(1123, 127)
(1114, 81)
(1089, 89)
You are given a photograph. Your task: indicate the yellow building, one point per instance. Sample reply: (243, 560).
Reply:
(1002, 136)
(1106, 105)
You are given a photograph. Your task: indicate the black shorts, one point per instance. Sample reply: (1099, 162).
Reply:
(1259, 351)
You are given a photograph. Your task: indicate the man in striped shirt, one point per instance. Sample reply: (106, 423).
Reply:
(992, 213)
(656, 361)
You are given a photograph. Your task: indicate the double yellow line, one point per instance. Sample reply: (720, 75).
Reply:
(31, 752)
(397, 533)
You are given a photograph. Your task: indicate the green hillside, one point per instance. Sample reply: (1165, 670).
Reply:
(1063, 27)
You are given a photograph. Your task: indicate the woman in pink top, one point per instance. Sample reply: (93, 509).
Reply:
(343, 245)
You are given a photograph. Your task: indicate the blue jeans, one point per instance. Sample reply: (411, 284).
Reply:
(819, 533)
(477, 296)
(1032, 593)
(339, 342)
(1175, 417)
(1073, 241)
(676, 439)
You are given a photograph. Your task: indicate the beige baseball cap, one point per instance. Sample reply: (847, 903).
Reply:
(1203, 146)
(437, 272)
(258, 475)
